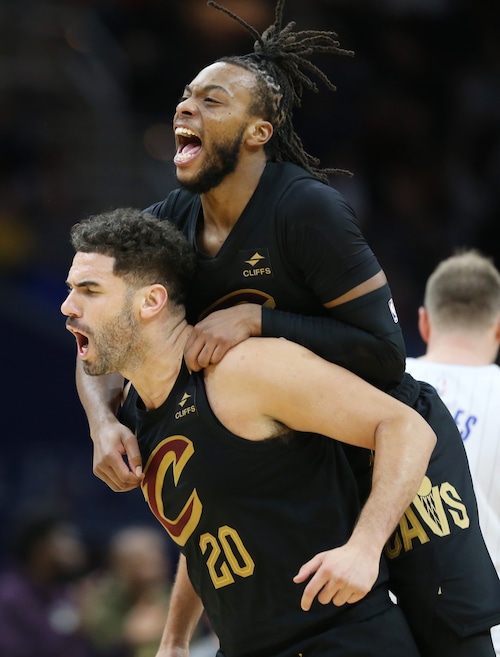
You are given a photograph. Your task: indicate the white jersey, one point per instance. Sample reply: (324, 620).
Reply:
(472, 395)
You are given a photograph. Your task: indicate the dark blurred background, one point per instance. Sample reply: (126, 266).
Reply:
(87, 93)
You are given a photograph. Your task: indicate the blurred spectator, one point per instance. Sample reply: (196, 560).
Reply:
(39, 613)
(125, 604)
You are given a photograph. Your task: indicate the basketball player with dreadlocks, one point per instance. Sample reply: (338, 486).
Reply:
(280, 254)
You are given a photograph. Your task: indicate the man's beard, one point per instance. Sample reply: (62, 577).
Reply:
(115, 345)
(218, 165)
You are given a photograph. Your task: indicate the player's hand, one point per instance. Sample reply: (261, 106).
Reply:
(114, 442)
(342, 575)
(213, 336)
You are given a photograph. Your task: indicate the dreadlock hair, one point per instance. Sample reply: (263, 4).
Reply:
(282, 66)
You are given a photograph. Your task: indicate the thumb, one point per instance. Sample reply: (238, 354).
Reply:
(133, 456)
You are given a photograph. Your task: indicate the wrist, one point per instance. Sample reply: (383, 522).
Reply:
(368, 538)
(97, 425)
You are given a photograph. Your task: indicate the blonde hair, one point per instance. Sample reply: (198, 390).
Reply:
(463, 292)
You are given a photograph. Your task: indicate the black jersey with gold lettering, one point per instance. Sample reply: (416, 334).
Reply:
(247, 514)
(437, 557)
(297, 245)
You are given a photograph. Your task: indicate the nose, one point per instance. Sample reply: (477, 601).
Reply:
(185, 107)
(68, 307)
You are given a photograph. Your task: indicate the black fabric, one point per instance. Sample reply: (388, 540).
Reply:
(441, 640)
(296, 246)
(345, 337)
(257, 511)
(440, 561)
(368, 638)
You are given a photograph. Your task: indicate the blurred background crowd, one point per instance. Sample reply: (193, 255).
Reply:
(87, 93)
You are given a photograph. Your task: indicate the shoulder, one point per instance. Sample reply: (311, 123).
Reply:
(303, 196)
(175, 204)
(256, 384)
(260, 348)
(260, 361)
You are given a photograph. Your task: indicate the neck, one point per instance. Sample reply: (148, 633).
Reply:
(223, 205)
(456, 349)
(160, 367)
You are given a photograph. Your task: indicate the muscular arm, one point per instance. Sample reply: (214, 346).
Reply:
(312, 395)
(184, 612)
(100, 397)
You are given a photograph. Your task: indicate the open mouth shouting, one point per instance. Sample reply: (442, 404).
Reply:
(188, 145)
(82, 341)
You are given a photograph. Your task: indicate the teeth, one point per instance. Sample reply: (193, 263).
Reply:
(185, 132)
(183, 158)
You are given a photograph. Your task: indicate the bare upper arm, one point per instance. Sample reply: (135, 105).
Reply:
(264, 383)
(373, 283)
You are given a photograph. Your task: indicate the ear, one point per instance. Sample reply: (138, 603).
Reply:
(152, 299)
(423, 324)
(259, 132)
(497, 333)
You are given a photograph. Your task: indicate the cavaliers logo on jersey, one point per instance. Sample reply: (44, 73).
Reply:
(173, 452)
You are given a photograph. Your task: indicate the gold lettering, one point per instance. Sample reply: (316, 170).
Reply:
(394, 550)
(430, 508)
(240, 563)
(454, 501)
(185, 411)
(259, 271)
(224, 577)
(411, 528)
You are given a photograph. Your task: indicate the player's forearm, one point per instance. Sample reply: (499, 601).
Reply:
(376, 358)
(184, 612)
(99, 395)
(402, 455)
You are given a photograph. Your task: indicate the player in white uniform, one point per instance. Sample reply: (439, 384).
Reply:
(460, 324)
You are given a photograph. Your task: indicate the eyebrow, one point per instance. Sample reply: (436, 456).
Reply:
(209, 87)
(89, 283)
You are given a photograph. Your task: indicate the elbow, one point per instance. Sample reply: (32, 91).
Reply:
(427, 439)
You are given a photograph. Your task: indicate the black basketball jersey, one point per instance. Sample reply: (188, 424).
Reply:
(247, 515)
(296, 245)
(437, 557)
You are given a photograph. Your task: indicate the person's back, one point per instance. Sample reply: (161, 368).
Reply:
(460, 323)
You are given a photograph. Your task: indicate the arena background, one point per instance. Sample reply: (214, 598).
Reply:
(87, 92)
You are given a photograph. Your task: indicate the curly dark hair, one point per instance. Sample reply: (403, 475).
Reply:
(282, 66)
(146, 250)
